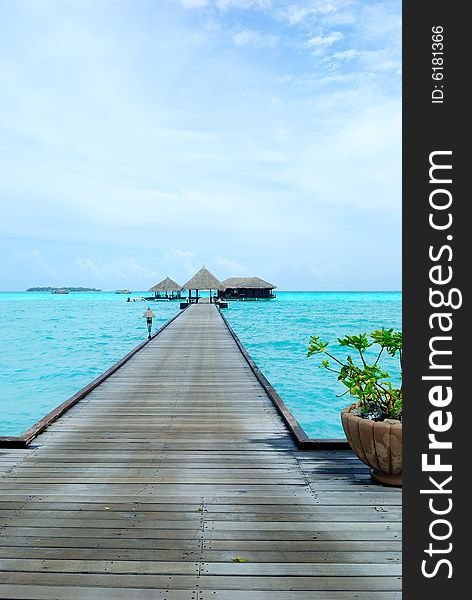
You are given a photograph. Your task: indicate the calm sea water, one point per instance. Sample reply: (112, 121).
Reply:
(53, 345)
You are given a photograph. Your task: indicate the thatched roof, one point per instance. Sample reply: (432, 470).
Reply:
(203, 280)
(247, 282)
(166, 285)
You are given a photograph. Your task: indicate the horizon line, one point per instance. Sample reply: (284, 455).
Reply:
(138, 290)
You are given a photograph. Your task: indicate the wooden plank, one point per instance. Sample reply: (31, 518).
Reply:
(382, 533)
(336, 499)
(211, 527)
(230, 568)
(29, 540)
(322, 513)
(207, 582)
(153, 566)
(293, 569)
(50, 592)
(189, 489)
(88, 593)
(300, 595)
(207, 556)
(128, 567)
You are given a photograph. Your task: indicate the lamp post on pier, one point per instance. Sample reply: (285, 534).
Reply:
(149, 316)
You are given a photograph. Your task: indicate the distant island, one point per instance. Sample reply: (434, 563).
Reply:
(71, 289)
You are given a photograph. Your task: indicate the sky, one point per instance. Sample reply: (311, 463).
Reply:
(141, 139)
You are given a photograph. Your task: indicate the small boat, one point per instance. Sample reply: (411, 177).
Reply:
(122, 291)
(59, 291)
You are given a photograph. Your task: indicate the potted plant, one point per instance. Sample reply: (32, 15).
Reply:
(372, 424)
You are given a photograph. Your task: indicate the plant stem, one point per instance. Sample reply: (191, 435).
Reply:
(378, 357)
(334, 358)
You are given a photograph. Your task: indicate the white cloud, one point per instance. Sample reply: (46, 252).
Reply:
(228, 268)
(296, 14)
(250, 37)
(88, 266)
(359, 156)
(194, 3)
(346, 54)
(324, 41)
(30, 264)
(181, 262)
(373, 60)
(113, 273)
(225, 5)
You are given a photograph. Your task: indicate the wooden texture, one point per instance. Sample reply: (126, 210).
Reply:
(176, 478)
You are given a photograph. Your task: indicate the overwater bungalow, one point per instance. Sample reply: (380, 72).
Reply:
(167, 289)
(247, 288)
(203, 280)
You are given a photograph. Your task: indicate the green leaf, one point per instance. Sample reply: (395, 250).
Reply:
(238, 559)
(316, 346)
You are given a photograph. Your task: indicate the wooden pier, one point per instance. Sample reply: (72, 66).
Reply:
(177, 479)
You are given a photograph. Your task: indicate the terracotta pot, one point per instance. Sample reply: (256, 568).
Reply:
(377, 444)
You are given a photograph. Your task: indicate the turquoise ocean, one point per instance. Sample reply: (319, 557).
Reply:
(53, 345)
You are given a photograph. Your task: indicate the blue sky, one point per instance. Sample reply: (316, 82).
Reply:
(144, 138)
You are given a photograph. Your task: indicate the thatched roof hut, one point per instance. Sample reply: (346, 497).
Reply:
(166, 285)
(247, 288)
(203, 280)
(247, 283)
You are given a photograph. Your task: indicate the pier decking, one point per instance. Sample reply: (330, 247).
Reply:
(176, 478)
